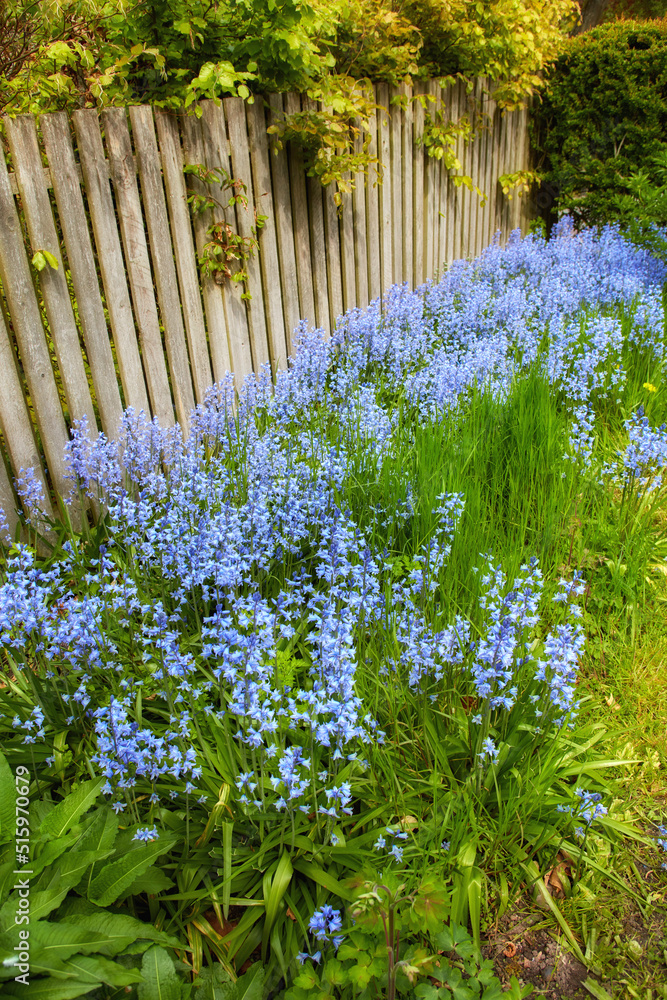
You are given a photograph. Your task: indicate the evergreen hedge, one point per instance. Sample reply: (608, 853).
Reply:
(601, 118)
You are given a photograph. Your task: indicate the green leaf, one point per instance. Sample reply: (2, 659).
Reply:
(595, 989)
(74, 866)
(41, 904)
(7, 801)
(214, 983)
(50, 260)
(101, 970)
(323, 878)
(117, 876)
(39, 261)
(62, 940)
(51, 852)
(249, 986)
(101, 831)
(120, 928)
(160, 979)
(47, 989)
(274, 890)
(151, 882)
(66, 813)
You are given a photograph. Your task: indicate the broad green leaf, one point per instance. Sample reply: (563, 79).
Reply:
(214, 983)
(51, 852)
(249, 986)
(119, 928)
(63, 816)
(160, 979)
(116, 877)
(74, 866)
(64, 940)
(7, 801)
(101, 832)
(39, 261)
(41, 904)
(47, 989)
(152, 881)
(101, 970)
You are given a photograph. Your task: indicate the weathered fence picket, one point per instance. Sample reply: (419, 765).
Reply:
(127, 319)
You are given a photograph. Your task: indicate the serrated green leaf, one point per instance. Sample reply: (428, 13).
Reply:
(63, 816)
(64, 940)
(152, 881)
(214, 983)
(120, 928)
(117, 876)
(101, 970)
(47, 989)
(101, 831)
(41, 904)
(7, 801)
(51, 852)
(160, 979)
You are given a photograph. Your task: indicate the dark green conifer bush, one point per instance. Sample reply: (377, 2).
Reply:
(601, 119)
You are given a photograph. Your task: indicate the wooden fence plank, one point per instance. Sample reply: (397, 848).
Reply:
(516, 160)
(526, 164)
(27, 322)
(318, 243)
(282, 205)
(299, 193)
(472, 170)
(451, 208)
(485, 235)
(150, 178)
(240, 157)
(441, 207)
(7, 502)
(440, 181)
(349, 278)
(216, 157)
(171, 156)
(407, 154)
(418, 154)
(124, 178)
(27, 160)
(81, 260)
(268, 242)
(385, 200)
(429, 193)
(333, 260)
(373, 210)
(396, 154)
(214, 307)
(15, 419)
(360, 228)
(318, 249)
(110, 257)
(502, 208)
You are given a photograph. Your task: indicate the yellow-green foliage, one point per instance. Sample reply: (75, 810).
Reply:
(75, 53)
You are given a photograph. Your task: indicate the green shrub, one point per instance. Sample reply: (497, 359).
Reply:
(602, 118)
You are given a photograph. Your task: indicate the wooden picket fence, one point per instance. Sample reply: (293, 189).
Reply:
(127, 320)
